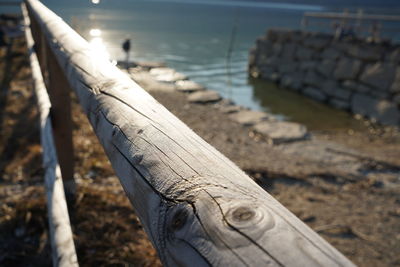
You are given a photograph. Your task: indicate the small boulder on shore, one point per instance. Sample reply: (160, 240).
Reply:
(188, 86)
(250, 117)
(281, 131)
(203, 97)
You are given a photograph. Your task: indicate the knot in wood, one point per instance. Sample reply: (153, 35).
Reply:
(179, 220)
(243, 214)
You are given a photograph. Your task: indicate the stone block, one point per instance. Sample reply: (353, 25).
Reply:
(395, 87)
(287, 67)
(347, 69)
(329, 87)
(275, 77)
(383, 111)
(315, 94)
(363, 88)
(312, 78)
(393, 56)
(266, 71)
(326, 67)
(288, 51)
(341, 93)
(308, 65)
(303, 53)
(350, 85)
(366, 53)
(317, 43)
(379, 94)
(277, 49)
(330, 53)
(396, 99)
(280, 131)
(339, 103)
(379, 75)
(293, 81)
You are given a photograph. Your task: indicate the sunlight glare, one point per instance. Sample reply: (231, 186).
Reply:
(95, 32)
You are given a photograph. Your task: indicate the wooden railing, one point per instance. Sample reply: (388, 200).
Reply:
(197, 207)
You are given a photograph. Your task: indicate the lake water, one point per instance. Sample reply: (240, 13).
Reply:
(193, 37)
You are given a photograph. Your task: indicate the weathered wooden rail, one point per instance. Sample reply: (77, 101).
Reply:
(61, 239)
(197, 207)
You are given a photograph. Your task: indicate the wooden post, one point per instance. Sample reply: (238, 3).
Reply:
(59, 92)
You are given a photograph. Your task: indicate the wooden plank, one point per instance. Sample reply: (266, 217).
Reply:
(63, 249)
(197, 207)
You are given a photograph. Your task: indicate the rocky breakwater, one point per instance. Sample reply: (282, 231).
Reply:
(349, 74)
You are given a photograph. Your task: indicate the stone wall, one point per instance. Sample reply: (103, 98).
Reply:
(349, 74)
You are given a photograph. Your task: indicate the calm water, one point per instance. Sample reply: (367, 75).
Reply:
(193, 37)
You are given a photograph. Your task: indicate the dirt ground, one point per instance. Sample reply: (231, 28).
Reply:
(356, 211)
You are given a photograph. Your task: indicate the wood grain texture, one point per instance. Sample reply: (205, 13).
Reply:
(63, 248)
(197, 207)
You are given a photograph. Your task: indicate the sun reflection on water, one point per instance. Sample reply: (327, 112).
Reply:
(97, 44)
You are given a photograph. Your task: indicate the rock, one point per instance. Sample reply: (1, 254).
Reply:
(206, 96)
(271, 61)
(288, 67)
(395, 87)
(188, 86)
(266, 72)
(250, 117)
(329, 87)
(340, 104)
(383, 111)
(279, 131)
(347, 69)
(288, 51)
(312, 78)
(314, 94)
(396, 99)
(231, 109)
(363, 88)
(275, 77)
(316, 42)
(393, 56)
(279, 35)
(303, 53)
(166, 75)
(326, 67)
(379, 75)
(292, 81)
(150, 64)
(350, 85)
(277, 49)
(365, 53)
(308, 65)
(378, 93)
(342, 93)
(264, 46)
(330, 53)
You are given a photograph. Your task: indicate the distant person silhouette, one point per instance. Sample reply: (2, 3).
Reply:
(126, 46)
